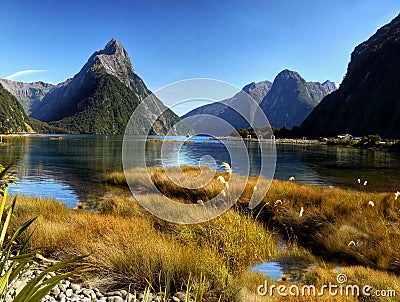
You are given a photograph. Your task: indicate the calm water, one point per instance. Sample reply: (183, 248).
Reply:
(293, 269)
(73, 169)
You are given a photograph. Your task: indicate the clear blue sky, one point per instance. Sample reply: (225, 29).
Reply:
(169, 40)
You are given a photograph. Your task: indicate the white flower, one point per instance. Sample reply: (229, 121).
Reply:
(396, 195)
(227, 167)
(359, 181)
(221, 180)
(371, 203)
(301, 211)
(365, 182)
(291, 178)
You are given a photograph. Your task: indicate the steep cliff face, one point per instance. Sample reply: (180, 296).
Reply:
(102, 97)
(236, 111)
(291, 99)
(27, 93)
(12, 115)
(368, 99)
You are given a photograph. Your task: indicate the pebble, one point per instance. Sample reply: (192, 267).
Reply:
(69, 292)
(66, 291)
(180, 296)
(75, 287)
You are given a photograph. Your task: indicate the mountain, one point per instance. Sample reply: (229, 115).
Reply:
(12, 115)
(27, 93)
(102, 97)
(291, 99)
(286, 103)
(368, 99)
(14, 119)
(204, 119)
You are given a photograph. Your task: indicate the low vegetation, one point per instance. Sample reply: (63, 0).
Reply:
(132, 249)
(351, 226)
(17, 262)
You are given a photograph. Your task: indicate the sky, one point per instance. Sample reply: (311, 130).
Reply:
(170, 40)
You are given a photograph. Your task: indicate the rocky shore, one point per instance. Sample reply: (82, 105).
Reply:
(67, 291)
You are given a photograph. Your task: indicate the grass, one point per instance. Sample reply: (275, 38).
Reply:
(130, 247)
(336, 224)
(356, 275)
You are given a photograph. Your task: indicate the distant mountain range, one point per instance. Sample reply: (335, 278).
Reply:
(237, 111)
(286, 103)
(102, 96)
(99, 99)
(368, 99)
(14, 119)
(27, 93)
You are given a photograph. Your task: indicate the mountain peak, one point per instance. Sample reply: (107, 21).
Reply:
(286, 74)
(112, 47)
(291, 98)
(115, 60)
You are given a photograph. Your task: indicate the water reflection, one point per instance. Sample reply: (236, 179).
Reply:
(292, 269)
(73, 169)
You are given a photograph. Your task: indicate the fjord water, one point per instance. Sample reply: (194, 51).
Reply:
(74, 169)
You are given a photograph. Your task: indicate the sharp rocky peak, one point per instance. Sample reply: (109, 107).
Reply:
(112, 48)
(115, 60)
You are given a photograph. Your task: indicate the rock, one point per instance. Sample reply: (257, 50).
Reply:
(114, 293)
(75, 298)
(181, 296)
(62, 297)
(88, 292)
(62, 287)
(75, 287)
(55, 291)
(69, 292)
(114, 298)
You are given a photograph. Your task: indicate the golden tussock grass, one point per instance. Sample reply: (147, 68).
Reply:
(352, 226)
(131, 247)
